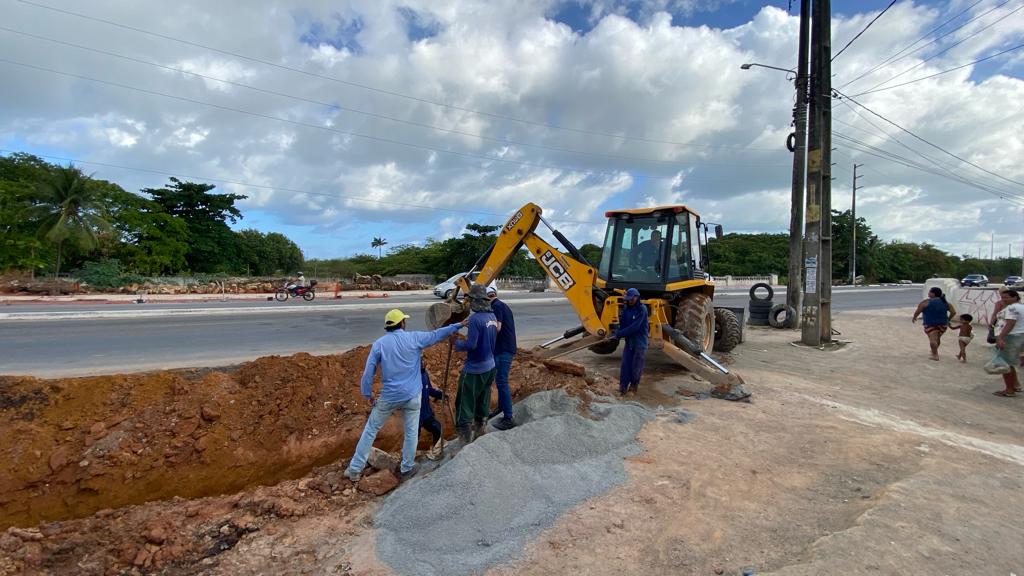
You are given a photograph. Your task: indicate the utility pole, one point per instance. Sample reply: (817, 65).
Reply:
(816, 328)
(992, 248)
(853, 228)
(796, 213)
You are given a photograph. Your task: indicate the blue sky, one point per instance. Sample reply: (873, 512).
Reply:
(691, 126)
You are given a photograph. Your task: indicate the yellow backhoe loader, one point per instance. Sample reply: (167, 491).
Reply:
(655, 250)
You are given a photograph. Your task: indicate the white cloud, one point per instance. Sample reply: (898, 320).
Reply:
(700, 130)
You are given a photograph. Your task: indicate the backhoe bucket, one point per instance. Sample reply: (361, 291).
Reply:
(727, 385)
(445, 313)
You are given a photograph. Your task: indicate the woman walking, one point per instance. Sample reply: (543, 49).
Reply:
(937, 314)
(1009, 329)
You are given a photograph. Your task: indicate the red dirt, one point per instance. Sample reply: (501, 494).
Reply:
(111, 451)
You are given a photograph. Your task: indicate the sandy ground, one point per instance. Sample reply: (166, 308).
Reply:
(868, 459)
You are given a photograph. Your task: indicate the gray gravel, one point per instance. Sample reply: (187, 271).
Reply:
(501, 491)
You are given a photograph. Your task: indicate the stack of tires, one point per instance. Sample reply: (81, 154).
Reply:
(760, 306)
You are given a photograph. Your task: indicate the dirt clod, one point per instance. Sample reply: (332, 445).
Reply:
(378, 483)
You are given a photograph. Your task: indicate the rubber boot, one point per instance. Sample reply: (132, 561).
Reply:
(478, 429)
(465, 434)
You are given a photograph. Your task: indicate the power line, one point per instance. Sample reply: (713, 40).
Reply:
(896, 56)
(947, 49)
(376, 89)
(936, 146)
(978, 61)
(328, 128)
(852, 40)
(277, 188)
(356, 110)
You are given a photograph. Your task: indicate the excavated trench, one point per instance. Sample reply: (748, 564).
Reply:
(76, 446)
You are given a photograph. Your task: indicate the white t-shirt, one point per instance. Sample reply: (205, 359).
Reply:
(1011, 312)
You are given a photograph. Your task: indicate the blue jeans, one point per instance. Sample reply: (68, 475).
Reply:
(378, 416)
(503, 363)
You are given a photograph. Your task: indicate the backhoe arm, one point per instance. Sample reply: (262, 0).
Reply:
(572, 275)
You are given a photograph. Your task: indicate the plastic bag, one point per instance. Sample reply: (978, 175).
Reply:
(998, 364)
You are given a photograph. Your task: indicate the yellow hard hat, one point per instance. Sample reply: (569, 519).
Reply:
(394, 317)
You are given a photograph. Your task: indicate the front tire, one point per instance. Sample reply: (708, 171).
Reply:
(695, 317)
(447, 295)
(728, 331)
(281, 295)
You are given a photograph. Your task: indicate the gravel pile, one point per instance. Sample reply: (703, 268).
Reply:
(500, 492)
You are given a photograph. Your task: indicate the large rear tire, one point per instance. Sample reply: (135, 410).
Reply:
(728, 331)
(308, 296)
(695, 317)
(605, 347)
(281, 295)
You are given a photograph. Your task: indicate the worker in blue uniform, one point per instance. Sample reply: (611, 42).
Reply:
(633, 329)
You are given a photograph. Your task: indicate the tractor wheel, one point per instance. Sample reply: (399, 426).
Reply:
(727, 330)
(695, 317)
(605, 347)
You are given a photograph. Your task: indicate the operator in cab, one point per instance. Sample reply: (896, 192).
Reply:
(648, 253)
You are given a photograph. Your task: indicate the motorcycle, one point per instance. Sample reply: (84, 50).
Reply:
(307, 293)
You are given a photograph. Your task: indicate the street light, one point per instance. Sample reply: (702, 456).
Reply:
(799, 150)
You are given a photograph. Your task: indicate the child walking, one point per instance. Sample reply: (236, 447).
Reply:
(965, 336)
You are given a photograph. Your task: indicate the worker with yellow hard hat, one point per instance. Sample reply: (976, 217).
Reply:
(397, 354)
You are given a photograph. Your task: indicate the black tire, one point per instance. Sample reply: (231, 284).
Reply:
(308, 296)
(447, 294)
(728, 331)
(755, 287)
(281, 295)
(785, 312)
(606, 347)
(695, 317)
(760, 305)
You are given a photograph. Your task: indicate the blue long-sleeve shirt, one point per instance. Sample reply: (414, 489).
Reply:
(398, 355)
(479, 343)
(633, 325)
(426, 410)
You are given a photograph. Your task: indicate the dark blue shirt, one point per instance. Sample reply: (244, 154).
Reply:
(506, 343)
(426, 410)
(479, 343)
(936, 313)
(633, 325)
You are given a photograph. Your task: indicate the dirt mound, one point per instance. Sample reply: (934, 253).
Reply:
(91, 446)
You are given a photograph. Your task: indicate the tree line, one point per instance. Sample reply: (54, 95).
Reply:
(57, 218)
(877, 260)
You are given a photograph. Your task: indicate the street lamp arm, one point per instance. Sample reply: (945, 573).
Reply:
(750, 65)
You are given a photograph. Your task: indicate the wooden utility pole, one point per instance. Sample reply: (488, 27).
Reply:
(796, 214)
(816, 327)
(853, 228)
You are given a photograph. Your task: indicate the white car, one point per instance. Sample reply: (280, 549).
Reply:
(444, 289)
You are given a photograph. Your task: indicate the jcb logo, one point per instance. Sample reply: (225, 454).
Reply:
(514, 220)
(557, 270)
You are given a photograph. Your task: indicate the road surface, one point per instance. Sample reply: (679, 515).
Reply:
(43, 341)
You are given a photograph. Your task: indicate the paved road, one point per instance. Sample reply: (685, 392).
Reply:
(221, 334)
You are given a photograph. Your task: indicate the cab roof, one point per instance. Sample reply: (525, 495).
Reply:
(650, 210)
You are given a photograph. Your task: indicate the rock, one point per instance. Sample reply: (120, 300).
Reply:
(379, 483)
(381, 460)
(331, 480)
(155, 534)
(9, 542)
(202, 444)
(186, 427)
(59, 458)
(565, 367)
(141, 557)
(210, 413)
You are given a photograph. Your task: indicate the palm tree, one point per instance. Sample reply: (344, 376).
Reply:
(67, 208)
(378, 243)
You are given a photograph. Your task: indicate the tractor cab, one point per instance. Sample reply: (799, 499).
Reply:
(654, 249)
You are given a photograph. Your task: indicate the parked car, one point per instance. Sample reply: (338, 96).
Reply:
(444, 289)
(974, 280)
(1013, 281)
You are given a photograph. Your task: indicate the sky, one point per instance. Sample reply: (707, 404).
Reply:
(347, 120)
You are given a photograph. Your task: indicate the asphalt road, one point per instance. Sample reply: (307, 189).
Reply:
(218, 333)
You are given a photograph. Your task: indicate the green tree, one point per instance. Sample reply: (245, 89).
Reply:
(264, 254)
(20, 247)
(592, 252)
(212, 245)
(67, 209)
